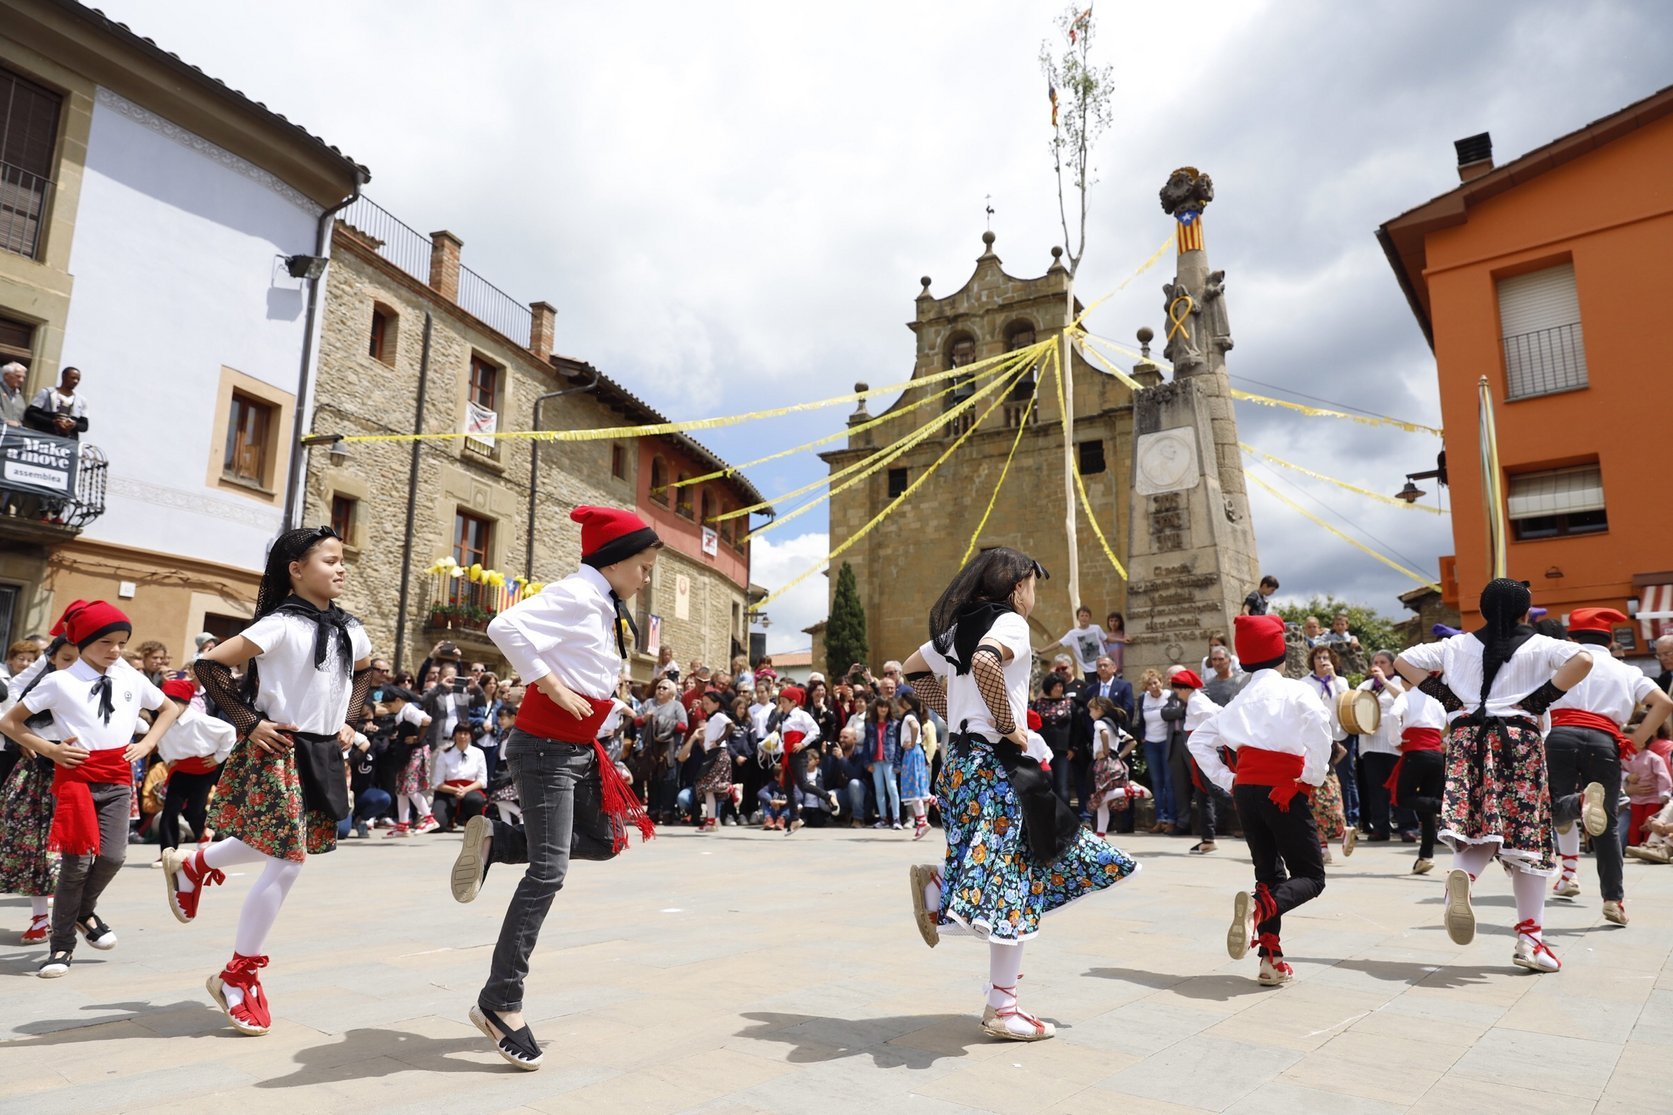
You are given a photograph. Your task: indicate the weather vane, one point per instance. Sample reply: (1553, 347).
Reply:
(989, 199)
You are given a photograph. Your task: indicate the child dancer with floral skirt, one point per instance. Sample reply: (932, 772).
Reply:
(282, 791)
(914, 764)
(95, 705)
(27, 866)
(1111, 785)
(1000, 876)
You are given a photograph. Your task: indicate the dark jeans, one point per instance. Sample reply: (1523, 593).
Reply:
(373, 801)
(1179, 783)
(1422, 783)
(450, 811)
(188, 794)
(81, 879)
(1347, 773)
(1375, 767)
(1280, 839)
(563, 819)
(1573, 758)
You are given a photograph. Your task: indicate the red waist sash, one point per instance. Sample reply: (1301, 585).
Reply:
(1412, 739)
(75, 823)
(202, 765)
(1280, 770)
(539, 716)
(1580, 718)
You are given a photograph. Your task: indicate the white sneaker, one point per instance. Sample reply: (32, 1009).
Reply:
(54, 966)
(1459, 918)
(1591, 810)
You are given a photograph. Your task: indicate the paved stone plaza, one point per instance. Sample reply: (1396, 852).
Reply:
(747, 971)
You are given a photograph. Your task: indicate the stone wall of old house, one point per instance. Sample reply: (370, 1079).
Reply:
(903, 564)
(359, 393)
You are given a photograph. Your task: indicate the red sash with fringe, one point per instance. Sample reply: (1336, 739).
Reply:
(1580, 718)
(75, 823)
(1412, 739)
(539, 716)
(1280, 770)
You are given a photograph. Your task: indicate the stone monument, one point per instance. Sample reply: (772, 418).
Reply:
(1191, 544)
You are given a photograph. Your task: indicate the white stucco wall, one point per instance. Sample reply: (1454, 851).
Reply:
(177, 274)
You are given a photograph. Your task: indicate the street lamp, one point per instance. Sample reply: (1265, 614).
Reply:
(1411, 493)
(338, 453)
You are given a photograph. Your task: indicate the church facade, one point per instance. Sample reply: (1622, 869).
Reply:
(902, 564)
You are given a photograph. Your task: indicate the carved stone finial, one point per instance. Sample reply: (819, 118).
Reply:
(1146, 335)
(1187, 190)
(861, 388)
(1056, 252)
(925, 282)
(988, 238)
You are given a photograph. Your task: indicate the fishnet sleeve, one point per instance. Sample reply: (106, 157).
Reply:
(358, 697)
(931, 690)
(223, 689)
(989, 672)
(1434, 687)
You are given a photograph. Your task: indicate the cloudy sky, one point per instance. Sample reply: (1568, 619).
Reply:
(731, 203)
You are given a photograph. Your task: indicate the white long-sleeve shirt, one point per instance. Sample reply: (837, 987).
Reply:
(1417, 709)
(566, 629)
(1459, 659)
(798, 720)
(453, 765)
(1612, 689)
(1199, 708)
(197, 735)
(1273, 713)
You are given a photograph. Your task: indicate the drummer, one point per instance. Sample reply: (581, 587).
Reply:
(1379, 749)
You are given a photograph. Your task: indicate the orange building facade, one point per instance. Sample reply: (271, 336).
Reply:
(1551, 276)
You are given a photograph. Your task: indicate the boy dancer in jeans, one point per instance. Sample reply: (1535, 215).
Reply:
(568, 644)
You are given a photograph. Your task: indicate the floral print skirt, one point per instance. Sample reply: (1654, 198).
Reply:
(1327, 809)
(415, 776)
(1496, 793)
(26, 867)
(991, 883)
(717, 774)
(259, 800)
(914, 775)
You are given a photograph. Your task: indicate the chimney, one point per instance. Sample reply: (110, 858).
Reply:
(1475, 156)
(444, 264)
(543, 329)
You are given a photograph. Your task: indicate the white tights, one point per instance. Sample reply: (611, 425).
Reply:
(917, 805)
(710, 811)
(419, 805)
(37, 906)
(1528, 888)
(1004, 969)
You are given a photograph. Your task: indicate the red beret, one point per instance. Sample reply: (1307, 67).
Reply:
(181, 689)
(1259, 638)
(792, 693)
(1186, 678)
(611, 534)
(1595, 619)
(1034, 721)
(86, 622)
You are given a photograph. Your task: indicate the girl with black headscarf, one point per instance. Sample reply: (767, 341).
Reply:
(1015, 851)
(1495, 683)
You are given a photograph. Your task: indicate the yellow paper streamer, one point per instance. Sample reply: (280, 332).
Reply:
(828, 438)
(658, 428)
(1131, 383)
(886, 512)
(1155, 256)
(1080, 486)
(1349, 539)
(869, 466)
(1378, 496)
(993, 500)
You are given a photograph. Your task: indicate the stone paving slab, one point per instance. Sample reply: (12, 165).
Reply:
(746, 971)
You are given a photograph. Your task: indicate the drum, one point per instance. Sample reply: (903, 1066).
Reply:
(1359, 711)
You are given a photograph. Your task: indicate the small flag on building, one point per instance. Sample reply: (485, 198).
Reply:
(481, 424)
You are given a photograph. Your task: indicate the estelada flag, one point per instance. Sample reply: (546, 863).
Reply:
(1052, 89)
(1080, 21)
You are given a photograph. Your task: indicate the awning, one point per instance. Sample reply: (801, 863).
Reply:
(1655, 612)
(1559, 491)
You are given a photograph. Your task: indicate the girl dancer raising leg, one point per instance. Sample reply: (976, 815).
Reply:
(1008, 863)
(282, 791)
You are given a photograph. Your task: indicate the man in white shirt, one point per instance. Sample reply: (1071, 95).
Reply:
(1085, 641)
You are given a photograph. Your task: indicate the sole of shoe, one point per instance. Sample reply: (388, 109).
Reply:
(994, 1028)
(103, 944)
(214, 987)
(1615, 915)
(1274, 979)
(1591, 811)
(1238, 936)
(1423, 867)
(173, 860)
(1459, 918)
(465, 880)
(480, 1021)
(920, 877)
(1350, 841)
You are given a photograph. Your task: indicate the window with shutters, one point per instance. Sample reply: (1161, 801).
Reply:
(345, 511)
(17, 341)
(471, 537)
(381, 344)
(1556, 502)
(482, 405)
(28, 137)
(1539, 325)
(249, 447)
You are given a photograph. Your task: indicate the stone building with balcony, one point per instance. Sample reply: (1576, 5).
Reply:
(902, 565)
(415, 342)
(161, 232)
